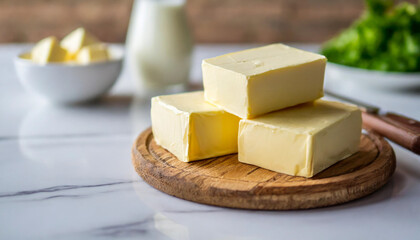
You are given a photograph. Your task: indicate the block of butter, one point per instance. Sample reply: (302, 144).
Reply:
(260, 80)
(301, 140)
(48, 50)
(92, 53)
(192, 129)
(76, 40)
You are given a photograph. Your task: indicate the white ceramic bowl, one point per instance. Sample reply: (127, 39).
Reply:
(371, 78)
(66, 83)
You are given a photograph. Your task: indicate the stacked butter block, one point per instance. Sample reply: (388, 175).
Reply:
(260, 80)
(193, 129)
(264, 104)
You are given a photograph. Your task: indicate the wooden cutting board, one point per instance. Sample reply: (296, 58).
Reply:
(223, 181)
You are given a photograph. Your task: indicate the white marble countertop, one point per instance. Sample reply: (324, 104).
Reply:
(66, 173)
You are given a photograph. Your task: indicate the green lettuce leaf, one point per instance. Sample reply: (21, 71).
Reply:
(385, 38)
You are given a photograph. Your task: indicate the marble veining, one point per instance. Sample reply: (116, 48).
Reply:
(136, 228)
(61, 188)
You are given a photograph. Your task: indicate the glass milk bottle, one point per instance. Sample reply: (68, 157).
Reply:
(159, 46)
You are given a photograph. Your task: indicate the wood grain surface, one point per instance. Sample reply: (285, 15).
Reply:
(223, 181)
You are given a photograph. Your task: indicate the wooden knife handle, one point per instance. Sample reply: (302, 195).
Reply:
(399, 129)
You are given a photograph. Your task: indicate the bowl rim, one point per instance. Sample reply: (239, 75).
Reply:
(117, 57)
(370, 71)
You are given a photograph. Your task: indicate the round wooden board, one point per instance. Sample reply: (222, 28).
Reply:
(223, 181)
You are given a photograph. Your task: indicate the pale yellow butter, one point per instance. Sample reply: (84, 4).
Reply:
(76, 40)
(92, 53)
(191, 128)
(301, 140)
(48, 50)
(260, 80)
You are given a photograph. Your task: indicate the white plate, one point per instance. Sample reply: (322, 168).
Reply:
(372, 79)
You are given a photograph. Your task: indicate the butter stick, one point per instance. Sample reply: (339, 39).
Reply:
(301, 140)
(257, 81)
(191, 128)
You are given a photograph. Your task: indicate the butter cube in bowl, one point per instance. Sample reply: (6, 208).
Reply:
(77, 69)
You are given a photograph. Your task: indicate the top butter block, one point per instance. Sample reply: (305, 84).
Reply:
(260, 80)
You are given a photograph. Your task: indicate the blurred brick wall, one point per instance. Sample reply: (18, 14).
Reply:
(31, 20)
(211, 20)
(271, 20)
